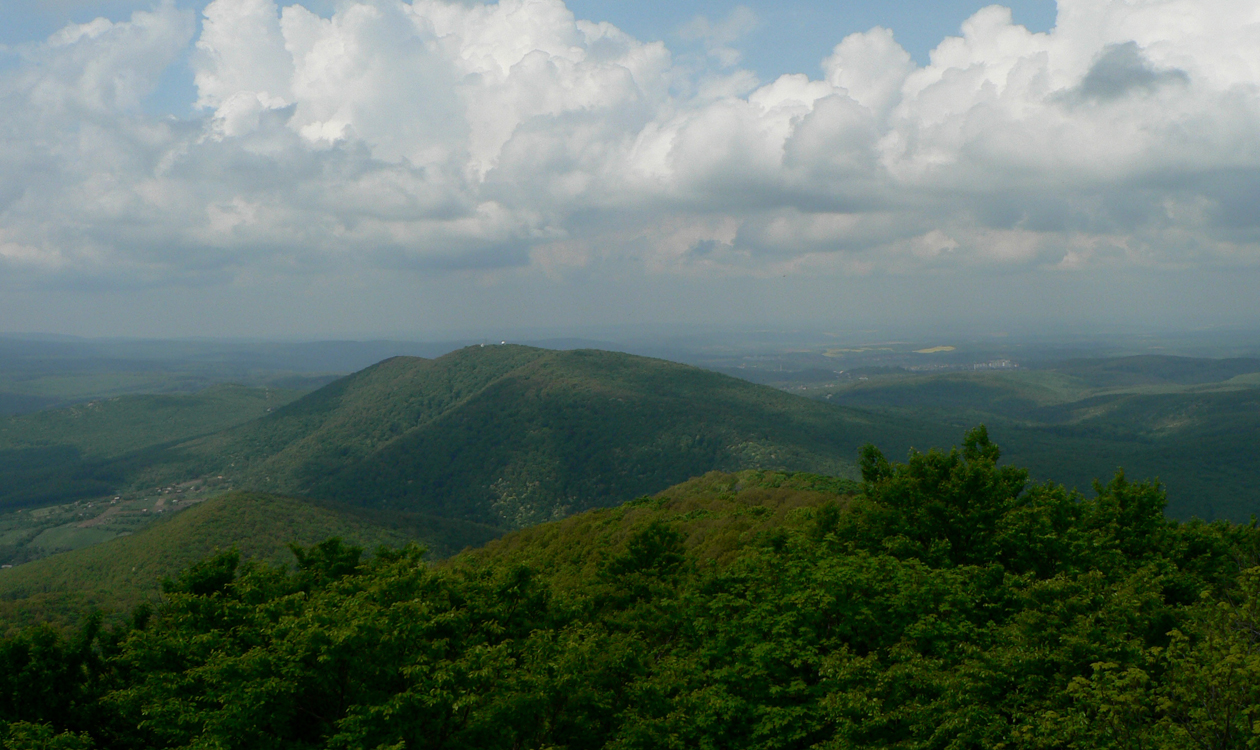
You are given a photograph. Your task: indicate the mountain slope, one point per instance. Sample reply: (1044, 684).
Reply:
(719, 514)
(511, 435)
(356, 415)
(62, 455)
(122, 572)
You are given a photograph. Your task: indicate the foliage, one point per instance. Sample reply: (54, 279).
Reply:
(121, 573)
(950, 603)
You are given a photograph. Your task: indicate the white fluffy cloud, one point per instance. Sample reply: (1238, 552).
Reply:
(437, 135)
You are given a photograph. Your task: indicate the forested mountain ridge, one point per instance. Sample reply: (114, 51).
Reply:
(501, 436)
(357, 414)
(507, 436)
(946, 603)
(512, 435)
(1190, 422)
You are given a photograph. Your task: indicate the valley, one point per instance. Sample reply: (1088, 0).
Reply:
(501, 436)
(490, 439)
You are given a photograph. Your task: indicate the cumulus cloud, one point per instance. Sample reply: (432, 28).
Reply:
(437, 136)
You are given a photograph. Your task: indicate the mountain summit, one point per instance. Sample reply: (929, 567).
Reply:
(513, 435)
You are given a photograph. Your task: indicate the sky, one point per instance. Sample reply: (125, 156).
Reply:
(363, 168)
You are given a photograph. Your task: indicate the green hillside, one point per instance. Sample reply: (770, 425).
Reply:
(509, 436)
(353, 417)
(719, 515)
(512, 435)
(945, 603)
(111, 427)
(1127, 372)
(62, 455)
(119, 573)
(1192, 423)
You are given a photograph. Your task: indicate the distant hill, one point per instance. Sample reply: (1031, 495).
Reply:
(504, 436)
(1192, 423)
(62, 455)
(120, 573)
(110, 427)
(1121, 372)
(513, 435)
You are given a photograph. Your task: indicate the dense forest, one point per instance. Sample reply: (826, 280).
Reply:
(93, 449)
(119, 574)
(508, 436)
(1190, 422)
(946, 602)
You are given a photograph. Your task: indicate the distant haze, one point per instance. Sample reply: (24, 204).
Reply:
(430, 169)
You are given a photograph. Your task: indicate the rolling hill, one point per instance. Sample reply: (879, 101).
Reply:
(511, 435)
(1192, 423)
(723, 512)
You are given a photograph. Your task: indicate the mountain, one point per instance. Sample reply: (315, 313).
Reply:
(122, 572)
(512, 435)
(41, 372)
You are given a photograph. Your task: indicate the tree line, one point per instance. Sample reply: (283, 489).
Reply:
(950, 603)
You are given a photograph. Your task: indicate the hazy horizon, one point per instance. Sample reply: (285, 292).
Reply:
(701, 345)
(420, 170)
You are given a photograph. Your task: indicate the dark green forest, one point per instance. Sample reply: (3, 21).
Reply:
(96, 448)
(1191, 422)
(512, 435)
(508, 436)
(119, 574)
(944, 602)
